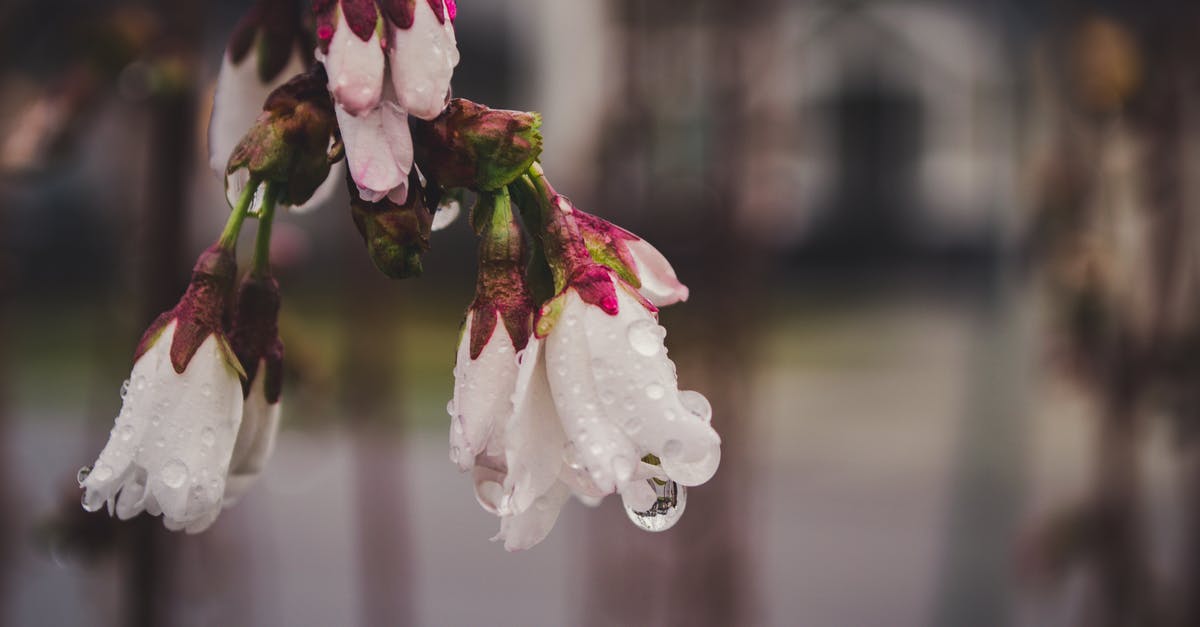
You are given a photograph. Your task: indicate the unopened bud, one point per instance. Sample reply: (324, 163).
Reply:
(472, 146)
(290, 143)
(396, 235)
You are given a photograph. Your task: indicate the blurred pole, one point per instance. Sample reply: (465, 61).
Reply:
(172, 120)
(370, 370)
(7, 501)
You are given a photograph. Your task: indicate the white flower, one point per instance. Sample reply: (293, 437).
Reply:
(592, 401)
(372, 109)
(255, 438)
(482, 392)
(170, 450)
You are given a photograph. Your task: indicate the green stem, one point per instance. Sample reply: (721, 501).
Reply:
(233, 226)
(262, 243)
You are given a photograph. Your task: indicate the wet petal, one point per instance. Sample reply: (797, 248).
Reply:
(534, 438)
(237, 103)
(355, 69)
(378, 149)
(422, 62)
(524, 530)
(659, 283)
(255, 439)
(482, 393)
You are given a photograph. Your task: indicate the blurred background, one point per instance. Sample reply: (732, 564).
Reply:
(944, 259)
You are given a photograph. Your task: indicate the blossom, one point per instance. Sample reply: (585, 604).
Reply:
(170, 449)
(255, 341)
(386, 61)
(595, 409)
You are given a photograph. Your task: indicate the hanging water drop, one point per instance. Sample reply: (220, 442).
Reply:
(124, 389)
(174, 474)
(82, 475)
(643, 339)
(696, 404)
(667, 509)
(208, 437)
(654, 391)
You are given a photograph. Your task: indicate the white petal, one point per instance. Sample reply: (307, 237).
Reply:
(636, 382)
(599, 443)
(659, 283)
(489, 489)
(355, 69)
(482, 393)
(422, 62)
(238, 101)
(524, 530)
(177, 429)
(255, 438)
(534, 438)
(378, 149)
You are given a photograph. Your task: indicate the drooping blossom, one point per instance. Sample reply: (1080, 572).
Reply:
(169, 452)
(386, 60)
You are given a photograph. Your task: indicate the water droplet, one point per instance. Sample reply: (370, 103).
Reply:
(454, 451)
(155, 419)
(623, 468)
(673, 449)
(643, 339)
(670, 414)
(160, 442)
(126, 432)
(607, 397)
(102, 472)
(571, 320)
(124, 389)
(174, 473)
(458, 425)
(139, 383)
(82, 475)
(667, 509)
(633, 424)
(206, 390)
(654, 391)
(208, 437)
(596, 449)
(696, 404)
(450, 407)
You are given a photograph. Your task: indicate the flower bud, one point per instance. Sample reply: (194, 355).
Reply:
(396, 235)
(274, 30)
(290, 142)
(472, 146)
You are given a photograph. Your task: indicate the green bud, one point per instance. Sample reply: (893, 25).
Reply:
(396, 235)
(472, 146)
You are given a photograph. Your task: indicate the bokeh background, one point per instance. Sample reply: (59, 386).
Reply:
(945, 270)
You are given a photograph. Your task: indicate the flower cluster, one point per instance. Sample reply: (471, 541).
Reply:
(580, 397)
(562, 384)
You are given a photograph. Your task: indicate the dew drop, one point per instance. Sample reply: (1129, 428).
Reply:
(82, 475)
(596, 449)
(457, 422)
(174, 474)
(643, 339)
(126, 432)
(450, 407)
(696, 404)
(88, 506)
(139, 383)
(124, 389)
(454, 451)
(206, 390)
(607, 397)
(208, 437)
(571, 457)
(666, 511)
(673, 449)
(155, 419)
(654, 391)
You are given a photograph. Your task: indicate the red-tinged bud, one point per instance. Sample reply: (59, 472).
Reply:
(472, 146)
(200, 312)
(396, 235)
(501, 290)
(290, 143)
(255, 333)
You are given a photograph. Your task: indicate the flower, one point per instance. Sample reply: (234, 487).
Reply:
(396, 234)
(268, 47)
(255, 341)
(413, 44)
(170, 450)
(596, 407)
